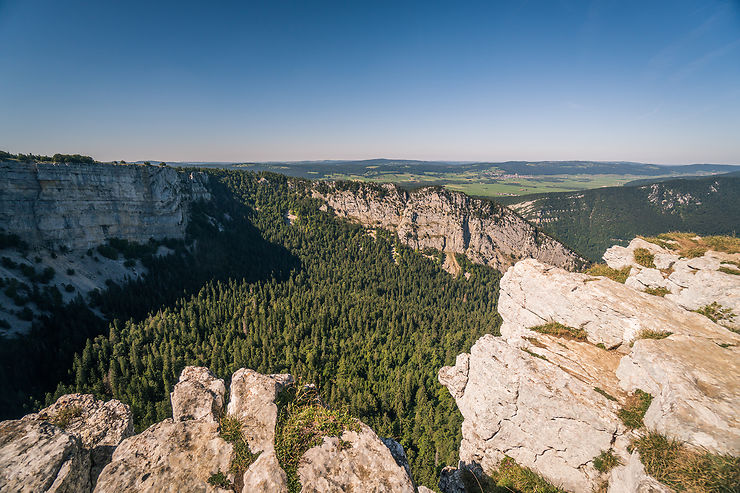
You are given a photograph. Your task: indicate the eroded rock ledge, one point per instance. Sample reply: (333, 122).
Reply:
(62, 448)
(487, 233)
(551, 402)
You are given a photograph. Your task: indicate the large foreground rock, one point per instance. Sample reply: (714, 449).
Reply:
(519, 405)
(550, 402)
(37, 456)
(168, 457)
(100, 425)
(359, 461)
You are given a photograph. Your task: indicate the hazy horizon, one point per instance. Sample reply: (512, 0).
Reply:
(654, 82)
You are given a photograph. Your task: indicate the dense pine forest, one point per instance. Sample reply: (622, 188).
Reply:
(367, 320)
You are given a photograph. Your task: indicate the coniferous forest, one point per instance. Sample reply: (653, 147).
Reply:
(368, 320)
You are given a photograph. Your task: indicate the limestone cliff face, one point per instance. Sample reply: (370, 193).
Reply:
(487, 233)
(83, 205)
(551, 401)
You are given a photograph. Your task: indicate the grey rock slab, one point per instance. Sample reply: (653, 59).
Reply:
(38, 456)
(198, 395)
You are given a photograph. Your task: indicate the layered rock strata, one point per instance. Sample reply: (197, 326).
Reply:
(487, 233)
(79, 206)
(550, 401)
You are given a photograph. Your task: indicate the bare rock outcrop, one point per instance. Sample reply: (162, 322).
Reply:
(38, 456)
(198, 395)
(83, 205)
(100, 425)
(62, 447)
(356, 461)
(486, 232)
(692, 283)
(183, 453)
(573, 346)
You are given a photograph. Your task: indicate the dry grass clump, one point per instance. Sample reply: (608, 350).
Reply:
(652, 334)
(604, 270)
(683, 469)
(303, 422)
(690, 245)
(659, 291)
(559, 330)
(635, 408)
(64, 417)
(729, 270)
(644, 257)
(508, 478)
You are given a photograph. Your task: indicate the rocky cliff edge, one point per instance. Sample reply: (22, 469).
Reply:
(575, 353)
(82, 445)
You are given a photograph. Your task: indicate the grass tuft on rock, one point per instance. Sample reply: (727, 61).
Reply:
(652, 334)
(635, 408)
(729, 270)
(220, 480)
(644, 257)
(684, 469)
(303, 422)
(559, 330)
(606, 461)
(230, 429)
(605, 393)
(716, 312)
(604, 270)
(509, 477)
(690, 245)
(64, 416)
(659, 291)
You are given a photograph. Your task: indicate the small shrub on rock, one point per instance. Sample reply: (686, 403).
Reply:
(659, 291)
(604, 270)
(644, 257)
(559, 330)
(606, 461)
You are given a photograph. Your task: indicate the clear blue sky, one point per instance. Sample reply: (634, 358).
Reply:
(647, 80)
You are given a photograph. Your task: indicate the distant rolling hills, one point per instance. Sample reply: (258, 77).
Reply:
(592, 220)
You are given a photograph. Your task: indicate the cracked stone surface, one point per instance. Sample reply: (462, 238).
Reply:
(693, 282)
(525, 407)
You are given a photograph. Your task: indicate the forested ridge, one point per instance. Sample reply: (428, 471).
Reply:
(593, 220)
(368, 320)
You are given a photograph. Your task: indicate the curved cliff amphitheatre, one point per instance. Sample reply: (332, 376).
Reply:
(171, 329)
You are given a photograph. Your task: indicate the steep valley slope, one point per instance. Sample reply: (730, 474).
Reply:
(593, 220)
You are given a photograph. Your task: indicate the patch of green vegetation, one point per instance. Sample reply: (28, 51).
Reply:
(601, 346)
(64, 417)
(683, 469)
(635, 408)
(716, 312)
(605, 393)
(219, 479)
(532, 353)
(729, 270)
(510, 477)
(559, 330)
(644, 257)
(606, 461)
(604, 270)
(652, 334)
(303, 422)
(230, 429)
(659, 291)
